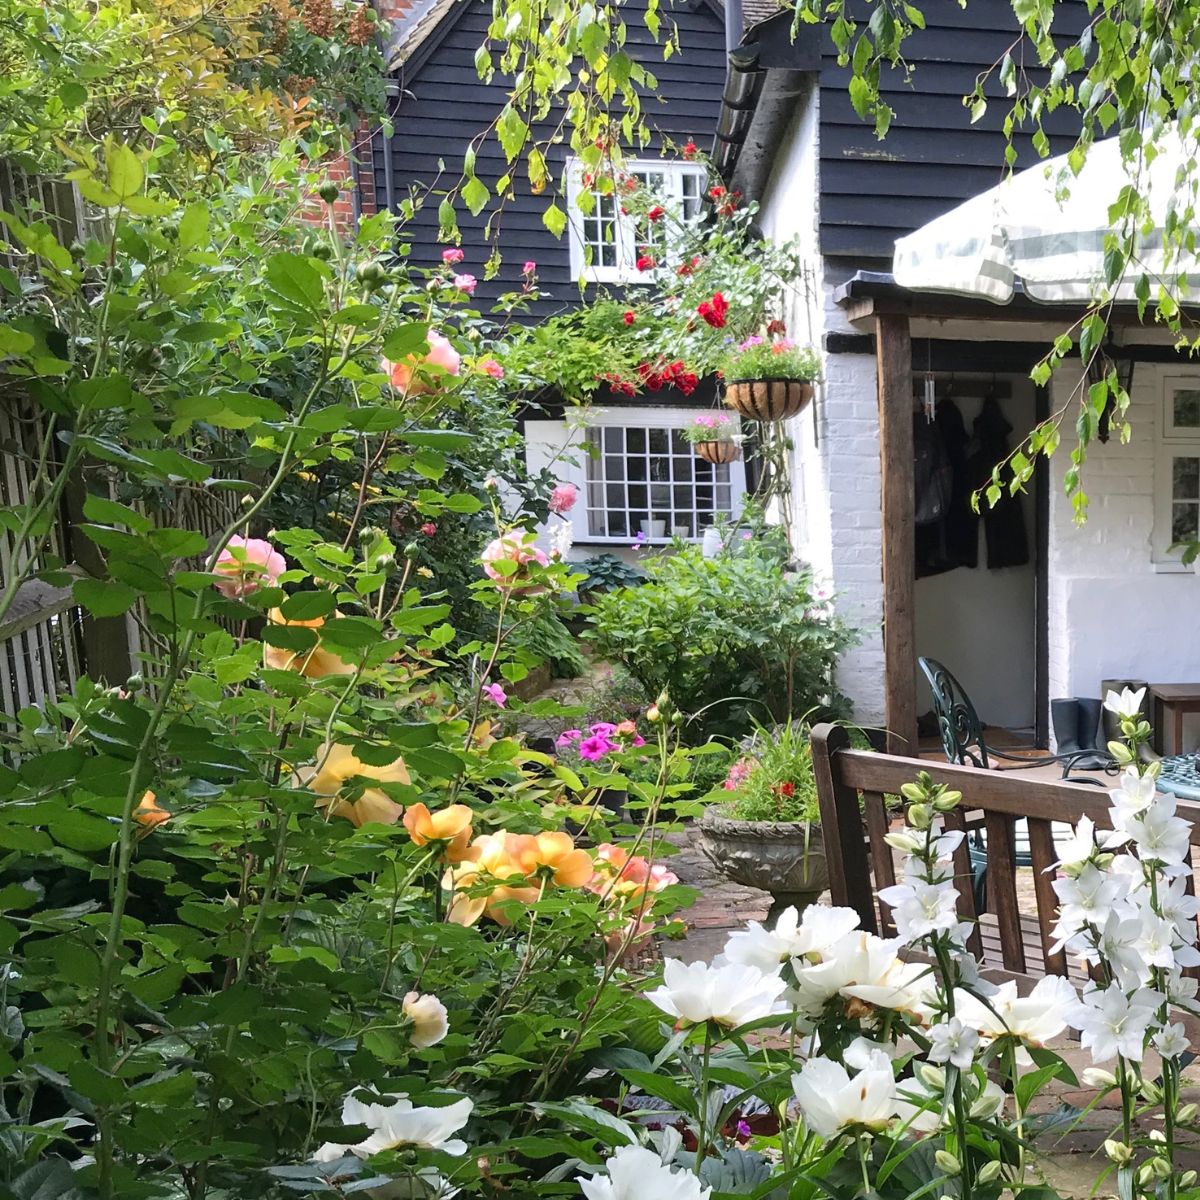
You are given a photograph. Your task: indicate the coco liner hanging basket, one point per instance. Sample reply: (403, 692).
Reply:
(718, 452)
(768, 399)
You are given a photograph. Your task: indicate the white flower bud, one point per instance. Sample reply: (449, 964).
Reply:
(1098, 1077)
(947, 1162)
(989, 1171)
(1117, 1151)
(933, 1077)
(1187, 1114)
(903, 842)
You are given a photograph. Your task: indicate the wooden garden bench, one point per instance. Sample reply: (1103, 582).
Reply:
(1014, 934)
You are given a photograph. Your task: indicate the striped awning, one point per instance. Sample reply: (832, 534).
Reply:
(1044, 229)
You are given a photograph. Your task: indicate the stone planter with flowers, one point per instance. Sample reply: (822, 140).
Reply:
(714, 438)
(769, 379)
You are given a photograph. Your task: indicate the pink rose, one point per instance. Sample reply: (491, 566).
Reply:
(429, 528)
(452, 255)
(466, 283)
(489, 366)
(247, 564)
(517, 546)
(563, 498)
(529, 268)
(403, 375)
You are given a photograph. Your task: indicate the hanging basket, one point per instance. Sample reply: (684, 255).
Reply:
(768, 399)
(717, 452)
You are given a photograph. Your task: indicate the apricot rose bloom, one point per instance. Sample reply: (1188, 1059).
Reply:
(628, 876)
(405, 376)
(312, 664)
(245, 565)
(554, 855)
(337, 766)
(449, 826)
(428, 1017)
(148, 814)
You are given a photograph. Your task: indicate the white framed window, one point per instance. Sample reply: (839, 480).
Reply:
(637, 475)
(1181, 408)
(1177, 470)
(606, 242)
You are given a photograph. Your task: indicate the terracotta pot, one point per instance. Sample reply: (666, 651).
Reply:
(718, 452)
(768, 399)
(785, 858)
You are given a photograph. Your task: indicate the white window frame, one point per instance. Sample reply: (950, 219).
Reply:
(625, 269)
(635, 417)
(1173, 442)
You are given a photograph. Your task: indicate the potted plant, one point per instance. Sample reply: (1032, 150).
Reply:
(769, 379)
(714, 438)
(766, 832)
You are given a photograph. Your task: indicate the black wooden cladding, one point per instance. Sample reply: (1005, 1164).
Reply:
(933, 158)
(444, 104)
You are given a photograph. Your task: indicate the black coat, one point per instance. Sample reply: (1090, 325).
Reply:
(1003, 524)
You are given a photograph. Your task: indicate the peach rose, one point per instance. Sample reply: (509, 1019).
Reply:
(245, 565)
(406, 377)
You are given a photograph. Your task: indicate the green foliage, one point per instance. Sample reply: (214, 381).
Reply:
(763, 358)
(604, 572)
(549, 640)
(732, 639)
(774, 777)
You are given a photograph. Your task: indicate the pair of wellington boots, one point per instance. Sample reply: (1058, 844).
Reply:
(1084, 724)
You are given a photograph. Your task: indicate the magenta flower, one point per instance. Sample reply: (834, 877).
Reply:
(529, 268)
(602, 728)
(568, 737)
(563, 498)
(638, 541)
(466, 283)
(594, 748)
(496, 694)
(743, 1129)
(245, 565)
(452, 255)
(638, 740)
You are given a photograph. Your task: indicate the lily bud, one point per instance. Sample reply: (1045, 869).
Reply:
(987, 1105)
(947, 801)
(1118, 1152)
(912, 792)
(1098, 1077)
(1187, 1179)
(947, 1162)
(1151, 1091)
(1120, 752)
(989, 1171)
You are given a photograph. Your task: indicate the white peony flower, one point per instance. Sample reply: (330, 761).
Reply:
(1033, 1019)
(729, 994)
(866, 968)
(428, 1017)
(832, 1100)
(792, 937)
(635, 1173)
(400, 1124)
(953, 1042)
(1126, 703)
(1172, 1040)
(1112, 1023)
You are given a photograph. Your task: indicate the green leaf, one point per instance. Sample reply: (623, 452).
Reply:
(446, 440)
(294, 277)
(475, 195)
(50, 1179)
(405, 340)
(104, 597)
(193, 226)
(125, 174)
(307, 606)
(555, 220)
(14, 341)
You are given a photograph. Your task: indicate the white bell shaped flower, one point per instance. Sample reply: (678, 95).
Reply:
(1120, 948)
(1110, 1022)
(1089, 898)
(1134, 793)
(793, 937)
(1078, 848)
(1179, 907)
(399, 1123)
(953, 1042)
(1172, 1040)
(1126, 703)
(920, 909)
(729, 994)
(635, 1173)
(832, 1100)
(1032, 1019)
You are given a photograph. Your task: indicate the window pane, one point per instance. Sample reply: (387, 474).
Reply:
(1186, 403)
(614, 466)
(1186, 478)
(1185, 522)
(635, 439)
(613, 439)
(659, 443)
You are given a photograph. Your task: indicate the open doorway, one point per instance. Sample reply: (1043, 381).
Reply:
(976, 598)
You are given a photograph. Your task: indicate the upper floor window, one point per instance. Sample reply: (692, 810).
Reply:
(1177, 474)
(607, 242)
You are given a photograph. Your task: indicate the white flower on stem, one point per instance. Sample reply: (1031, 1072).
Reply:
(953, 1042)
(1032, 1019)
(1111, 1022)
(1172, 1040)
(862, 967)
(428, 1017)
(1163, 838)
(1127, 703)
(1078, 848)
(1134, 793)
(793, 937)
(832, 1100)
(921, 909)
(399, 1123)
(1119, 947)
(1179, 989)
(635, 1173)
(1088, 898)
(1179, 907)
(729, 994)
(1156, 940)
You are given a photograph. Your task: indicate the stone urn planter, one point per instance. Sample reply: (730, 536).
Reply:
(785, 858)
(768, 399)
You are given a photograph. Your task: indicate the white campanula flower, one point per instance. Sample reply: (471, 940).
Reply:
(1088, 898)
(793, 937)
(920, 909)
(728, 994)
(862, 967)
(1171, 1040)
(831, 1099)
(1119, 947)
(1032, 1019)
(1110, 1022)
(1134, 794)
(1078, 848)
(399, 1123)
(1126, 703)
(953, 1042)
(1180, 989)
(1156, 940)
(635, 1173)
(1179, 907)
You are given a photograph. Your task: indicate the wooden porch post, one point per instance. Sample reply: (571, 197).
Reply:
(893, 367)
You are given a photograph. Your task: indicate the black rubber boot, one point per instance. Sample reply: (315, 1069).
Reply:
(1064, 716)
(1089, 732)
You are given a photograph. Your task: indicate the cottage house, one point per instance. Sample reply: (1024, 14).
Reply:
(1022, 604)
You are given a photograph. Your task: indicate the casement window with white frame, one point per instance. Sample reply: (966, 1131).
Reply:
(1177, 471)
(606, 242)
(640, 480)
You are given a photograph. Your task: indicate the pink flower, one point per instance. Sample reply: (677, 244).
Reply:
(429, 529)
(245, 565)
(752, 340)
(466, 283)
(595, 747)
(737, 774)
(518, 547)
(602, 728)
(568, 737)
(639, 541)
(442, 355)
(489, 366)
(496, 694)
(452, 255)
(529, 268)
(563, 498)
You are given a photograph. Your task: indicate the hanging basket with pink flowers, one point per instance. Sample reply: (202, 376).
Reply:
(769, 380)
(714, 438)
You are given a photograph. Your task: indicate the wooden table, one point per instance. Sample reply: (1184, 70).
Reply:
(1173, 699)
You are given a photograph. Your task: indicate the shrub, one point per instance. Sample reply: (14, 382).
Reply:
(732, 639)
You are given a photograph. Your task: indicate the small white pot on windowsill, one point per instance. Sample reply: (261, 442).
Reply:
(654, 528)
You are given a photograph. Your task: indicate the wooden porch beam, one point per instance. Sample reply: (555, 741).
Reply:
(893, 366)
